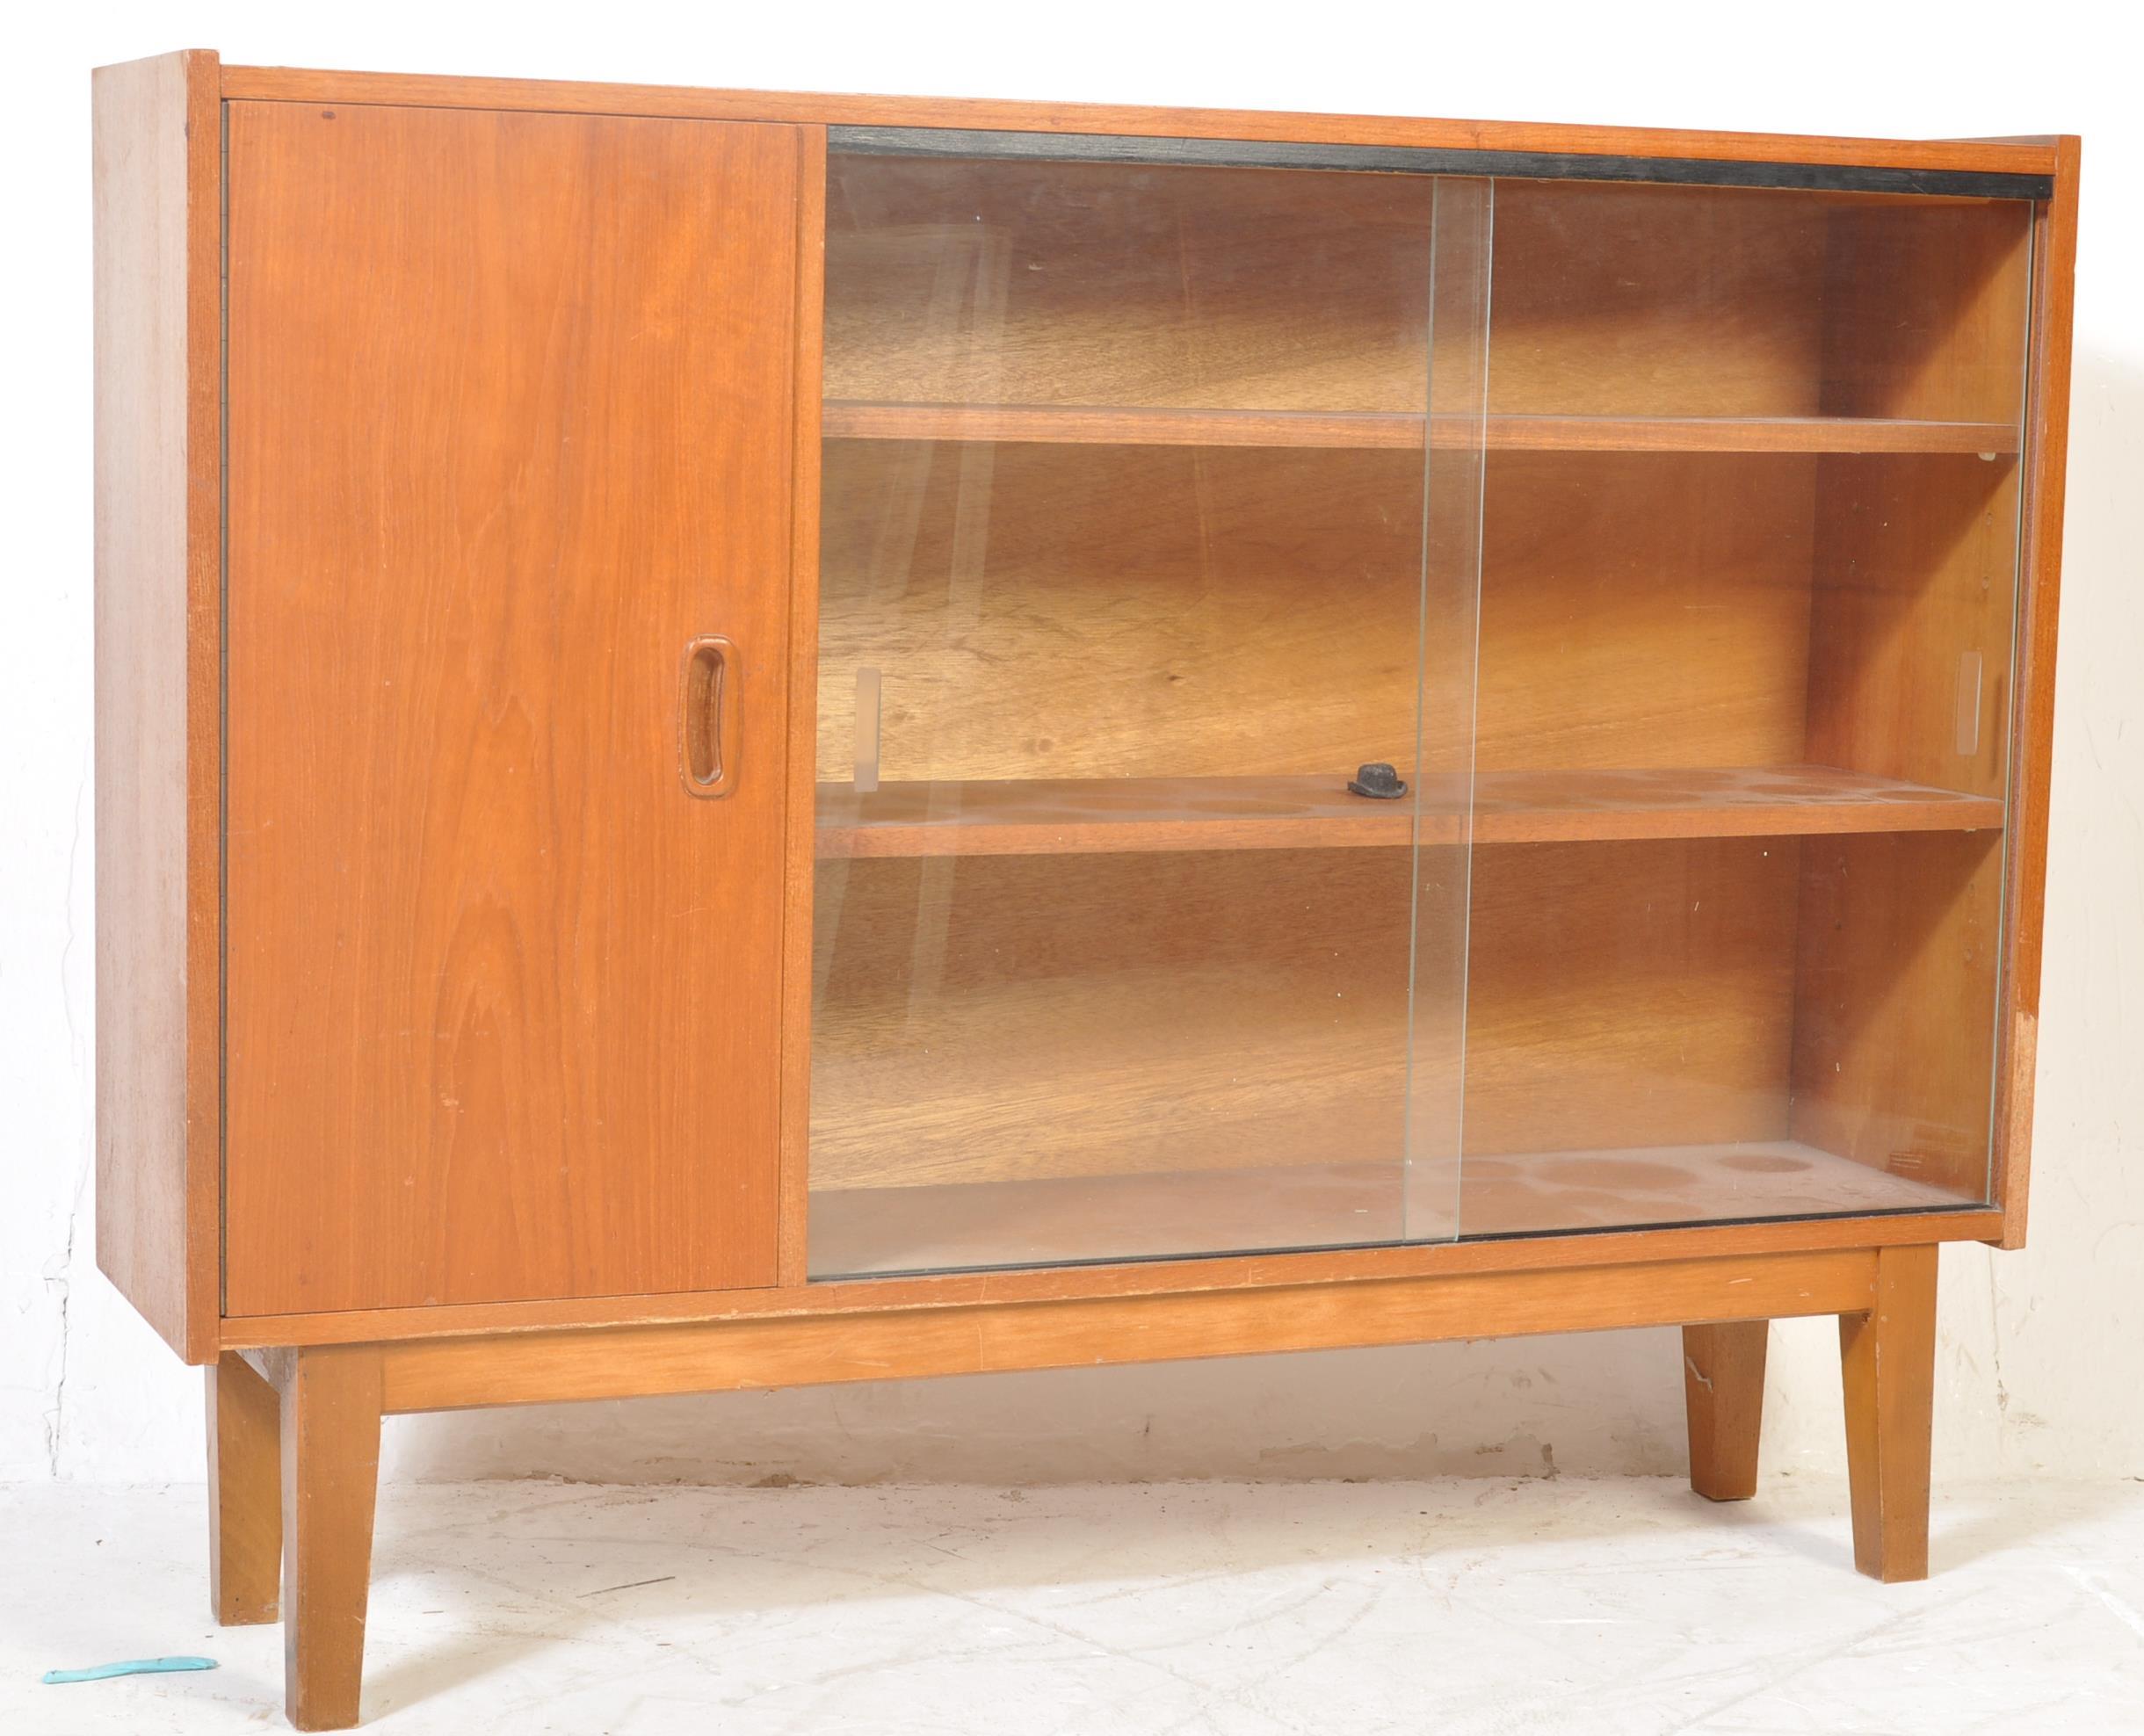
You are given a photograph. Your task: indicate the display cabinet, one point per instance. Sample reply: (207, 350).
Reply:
(747, 740)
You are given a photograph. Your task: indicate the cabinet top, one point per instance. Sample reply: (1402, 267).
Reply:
(2017, 166)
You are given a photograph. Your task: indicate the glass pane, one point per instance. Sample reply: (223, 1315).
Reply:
(1451, 583)
(1749, 572)
(1122, 588)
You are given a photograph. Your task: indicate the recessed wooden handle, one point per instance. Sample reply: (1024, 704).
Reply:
(712, 671)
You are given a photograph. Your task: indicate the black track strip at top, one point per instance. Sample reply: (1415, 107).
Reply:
(946, 141)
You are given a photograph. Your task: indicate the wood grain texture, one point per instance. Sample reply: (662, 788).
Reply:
(2032, 716)
(1887, 1361)
(1910, 659)
(511, 424)
(2016, 1078)
(1644, 611)
(1709, 723)
(1569, 1255)
(1608, 298)
(1159, 1019)
(1915, 568)
(1093, 425)
(1144, 612)
(1910, 676)
(1925, 311)
(1656, 301)
(1723, 1396)
(1101, 611)
(1925, 314)
(307, 85)
(1630, 995)
(155, 150)
(546, 1367)
(331, 1429)
(1893, 1038)
(1067, 816)
(801, 726)
(1230, 306)
(1048, 286)
(245, 1493)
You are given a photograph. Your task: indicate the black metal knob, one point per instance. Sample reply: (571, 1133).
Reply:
(1378, 781)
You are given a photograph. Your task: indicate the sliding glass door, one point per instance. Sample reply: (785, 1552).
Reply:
(1312, 754)
(1145, 707)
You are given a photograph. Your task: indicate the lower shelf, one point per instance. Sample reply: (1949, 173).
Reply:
(1103, 815)
(858, 1232)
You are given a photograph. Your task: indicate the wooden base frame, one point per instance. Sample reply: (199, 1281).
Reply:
(318, 1447)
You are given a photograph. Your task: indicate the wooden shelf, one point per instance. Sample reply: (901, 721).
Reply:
(1049, 1221)
(1111, 426)
(1073, 816)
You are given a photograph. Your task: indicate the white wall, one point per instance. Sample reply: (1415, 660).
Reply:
(2042, 1364)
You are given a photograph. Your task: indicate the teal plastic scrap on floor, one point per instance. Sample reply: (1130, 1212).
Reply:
(129, 1666)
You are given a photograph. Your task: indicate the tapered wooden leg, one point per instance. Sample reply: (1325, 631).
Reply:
(330, 1476)
(1723, 1393)
(245, 1493)
(1888, 1356)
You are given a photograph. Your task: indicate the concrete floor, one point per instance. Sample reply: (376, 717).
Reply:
(1241, 1610)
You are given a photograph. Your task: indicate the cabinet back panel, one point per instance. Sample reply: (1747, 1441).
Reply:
(1656, 300)
(1001, 1017)
(1100, 611)
(1894, 1022)
(510, 412)
(1234, 1009)
(1636, 993)
(1118, 611)
(1060, 283)
(1913, 617)
(1022, 282)
(1643, 609)
(1688, 301)
(1925, 310)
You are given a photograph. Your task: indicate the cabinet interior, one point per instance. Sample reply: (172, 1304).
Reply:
(1122, 575)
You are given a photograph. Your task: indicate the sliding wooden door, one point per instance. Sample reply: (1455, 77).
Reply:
(509, 422)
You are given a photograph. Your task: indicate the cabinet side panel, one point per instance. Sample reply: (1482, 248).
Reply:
(2033, 754)
(156, 155)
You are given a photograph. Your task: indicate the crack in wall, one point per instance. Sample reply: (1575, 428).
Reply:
(67, 946)
(55, 1412)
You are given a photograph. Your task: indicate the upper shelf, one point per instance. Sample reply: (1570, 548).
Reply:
(1130, 426)
(1072, 816)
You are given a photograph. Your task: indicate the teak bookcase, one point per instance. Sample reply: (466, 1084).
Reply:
(746, 740)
